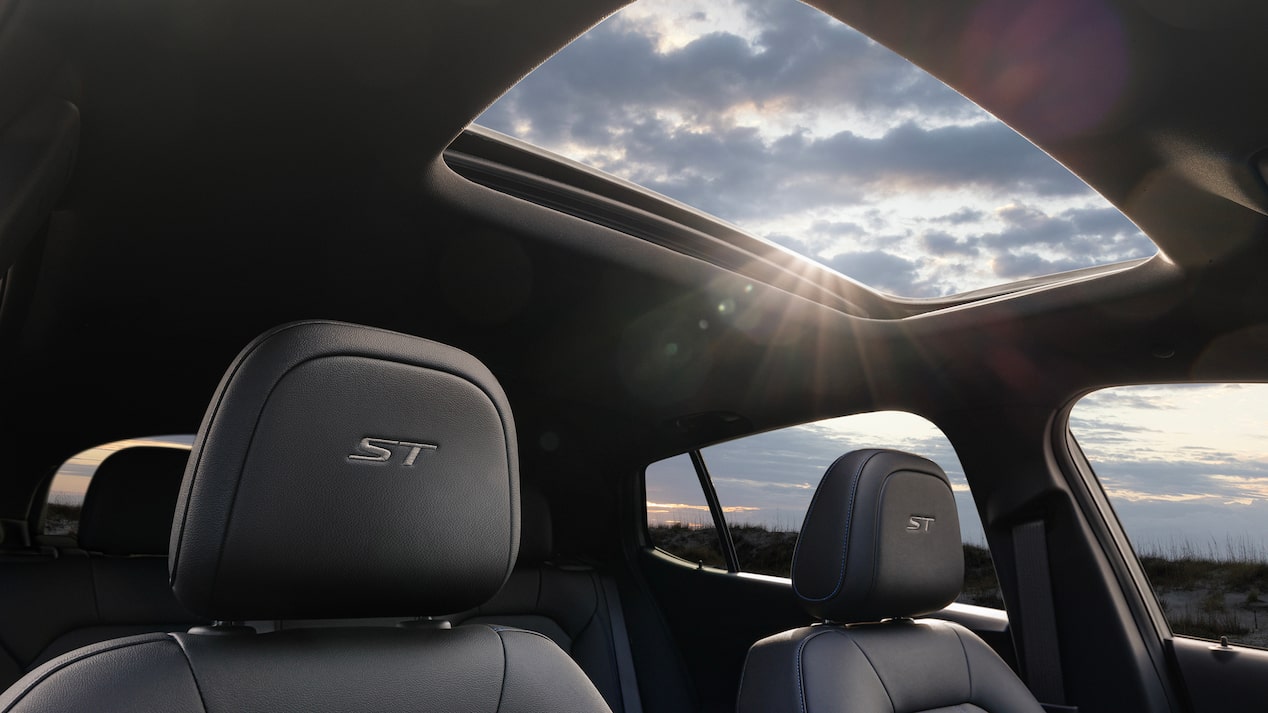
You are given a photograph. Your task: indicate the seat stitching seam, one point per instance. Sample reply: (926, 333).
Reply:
(609, 630)
(500, 628)
(801, 682)
(968, 669)
(845, 538)
(505, 666)
(880, 680)
(190, 664)
(66, 664)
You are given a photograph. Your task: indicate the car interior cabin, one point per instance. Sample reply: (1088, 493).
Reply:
(679, 356)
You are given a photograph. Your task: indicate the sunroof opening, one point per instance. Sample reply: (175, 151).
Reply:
(787, 123)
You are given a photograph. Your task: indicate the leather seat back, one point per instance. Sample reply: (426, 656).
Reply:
(116, 584)
(880, 545)
(340, 472)
(569, 602)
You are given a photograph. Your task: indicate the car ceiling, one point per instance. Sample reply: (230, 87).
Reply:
(241, 164)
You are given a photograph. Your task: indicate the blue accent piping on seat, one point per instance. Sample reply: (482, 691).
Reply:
(845, 538)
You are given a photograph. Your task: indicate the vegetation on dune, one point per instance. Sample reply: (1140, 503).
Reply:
(1212, 591)
(1167, 574)
(981, 584)
(762, 550)
(694, 544)
(61, 519)
(1207, 591)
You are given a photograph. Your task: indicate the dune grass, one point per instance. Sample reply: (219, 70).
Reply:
(764, 550)
(1207, 590)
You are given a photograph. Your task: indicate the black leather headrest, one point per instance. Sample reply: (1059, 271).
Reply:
(537, 540)
(130, 500)
(343, 471)
(881, 539)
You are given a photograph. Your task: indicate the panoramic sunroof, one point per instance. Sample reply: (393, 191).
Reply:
(775, 117)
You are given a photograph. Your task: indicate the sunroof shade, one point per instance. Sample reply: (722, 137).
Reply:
(781, 120)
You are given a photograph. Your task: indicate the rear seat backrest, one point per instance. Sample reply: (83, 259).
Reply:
(116, 583)
(569, 603)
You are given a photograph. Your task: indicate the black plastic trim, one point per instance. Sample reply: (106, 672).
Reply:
(715, 509)
(1090, 498)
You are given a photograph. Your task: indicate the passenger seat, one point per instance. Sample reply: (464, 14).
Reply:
(115, 584)
(880, 547)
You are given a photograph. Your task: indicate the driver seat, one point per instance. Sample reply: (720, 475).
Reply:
(340, 472)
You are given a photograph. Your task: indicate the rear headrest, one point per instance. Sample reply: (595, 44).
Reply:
(344, 471)
(130, 500)
(537, 536)
(881, 539)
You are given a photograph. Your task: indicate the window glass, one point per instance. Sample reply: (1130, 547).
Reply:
(778, 118)
(70, 482)
(765, 483)
(1186, 470)
(678, 518)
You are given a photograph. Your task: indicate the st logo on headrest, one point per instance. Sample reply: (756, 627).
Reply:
(919, 523)
(384, 450)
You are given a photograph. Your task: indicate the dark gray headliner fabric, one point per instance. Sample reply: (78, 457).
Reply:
(881, 539)
(286, 511)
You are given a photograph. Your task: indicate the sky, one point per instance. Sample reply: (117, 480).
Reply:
(774, 117)
(70, 483)
(769, 479)
(1185, 467)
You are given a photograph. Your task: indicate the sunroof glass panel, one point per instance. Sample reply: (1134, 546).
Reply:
(775, 117)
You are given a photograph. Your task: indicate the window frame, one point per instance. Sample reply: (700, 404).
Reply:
(1107, 529)
(1098, 511)
(42, 501)
(725, 540)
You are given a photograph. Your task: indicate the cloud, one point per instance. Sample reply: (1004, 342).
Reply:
(962, 216)
(798, 62)
(940, 244)
(1117, 400)
(771, 115)
(670, 120)
(882, 270)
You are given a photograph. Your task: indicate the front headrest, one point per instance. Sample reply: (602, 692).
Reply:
(881, 540)
(343, 471)
(130, 500)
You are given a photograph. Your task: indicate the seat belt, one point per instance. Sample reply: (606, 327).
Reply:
(1040, 652)
(630, 701)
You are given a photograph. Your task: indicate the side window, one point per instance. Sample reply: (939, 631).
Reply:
(678, 517)
(764, 484)
(70, 482)
(1186, 470)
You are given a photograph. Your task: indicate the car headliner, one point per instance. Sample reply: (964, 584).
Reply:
(245, 163)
